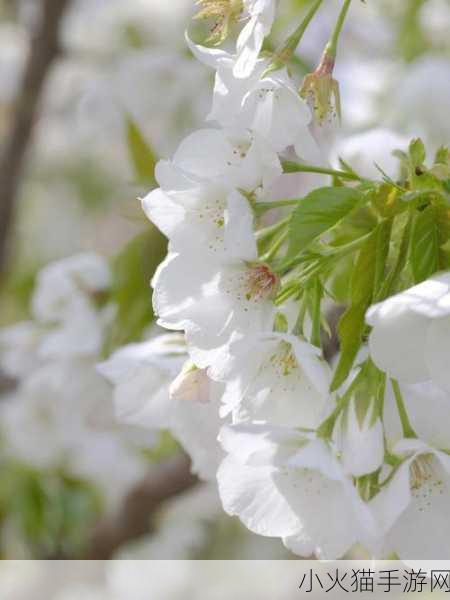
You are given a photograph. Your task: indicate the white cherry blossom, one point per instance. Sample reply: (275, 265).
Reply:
(64, 305)
(151, 392)
(238, 159)
(66, 321)
(210, 299)
(61, 416)
(282, 483)
(61, 281)
(274, 108)
(269, 106)
(275, 378)
(412, 508)
(209, 216)
(141, 374)
(410, 339)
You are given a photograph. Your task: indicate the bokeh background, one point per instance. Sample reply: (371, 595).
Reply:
(88, 103)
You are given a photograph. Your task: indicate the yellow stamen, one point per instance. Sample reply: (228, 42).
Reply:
(224, 13)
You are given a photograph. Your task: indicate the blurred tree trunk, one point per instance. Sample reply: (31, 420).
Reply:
(44, 48)
(168, 480)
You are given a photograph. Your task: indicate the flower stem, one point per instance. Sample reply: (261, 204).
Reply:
(408, 431)
(294, 39)
(272, 230)
(331, 48)
(329, 253)
(272, 252)
(292, 167)
(261, 207)
(287, 49)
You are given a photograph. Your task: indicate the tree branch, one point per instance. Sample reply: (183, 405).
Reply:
(43, 51)
(7, 384)
(134, 519)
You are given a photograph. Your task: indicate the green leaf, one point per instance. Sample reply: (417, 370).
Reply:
(133, 269)
(442, 156)
(421, 178)
(365, 277)
(350, 329)
(417, 152)
(444, 235)
(318, 212)
(383, 240)
(314, 296)
(425, 244)
(142, 157)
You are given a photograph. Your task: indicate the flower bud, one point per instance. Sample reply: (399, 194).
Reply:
(191, 384)
(321, 91)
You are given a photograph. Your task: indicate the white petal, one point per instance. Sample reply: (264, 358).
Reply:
(204, 153)
(269, 380)
(422, 530)
(165, 351)
(143, 399)
(393, 499)
(362, 445)
(431, 298)
(196, 424)
(239, 240)
(331, 515)
(172, 178)
(437, 351)
(212, 57)
(177, 286)
(260, 445)
(167, 215)
(397, 341)
(250, 493)
(249, 45)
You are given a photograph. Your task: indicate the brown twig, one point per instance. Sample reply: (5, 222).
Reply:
(135, 518)
(44, 49)
(7, 384)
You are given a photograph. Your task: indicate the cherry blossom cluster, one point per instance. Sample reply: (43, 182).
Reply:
(58, 415)
(327, 458)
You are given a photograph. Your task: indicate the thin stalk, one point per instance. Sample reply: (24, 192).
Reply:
(345, 249)
(272, 230)
(272, 252)
(292, 167)
(286, 51)
(333, 43)
(336, 252)
(408, 431)
(261, 207)
(294, 39)
(290, 289)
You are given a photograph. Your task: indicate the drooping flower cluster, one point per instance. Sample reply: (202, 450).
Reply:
(323, 459)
